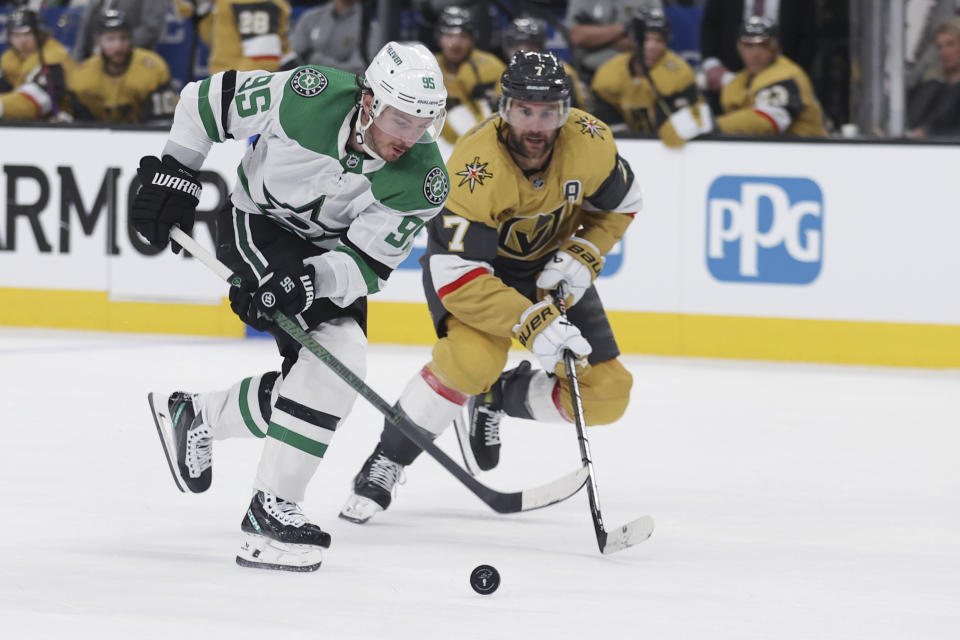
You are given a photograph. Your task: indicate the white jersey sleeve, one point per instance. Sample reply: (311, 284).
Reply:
(230, 104)
(375, 244)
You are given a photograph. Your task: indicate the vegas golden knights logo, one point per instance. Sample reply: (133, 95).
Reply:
(524, 237)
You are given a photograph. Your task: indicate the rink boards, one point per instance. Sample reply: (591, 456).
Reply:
(833, 252)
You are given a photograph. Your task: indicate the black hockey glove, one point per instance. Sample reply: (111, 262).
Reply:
(241, 301)
(289, 291)
(169, 194)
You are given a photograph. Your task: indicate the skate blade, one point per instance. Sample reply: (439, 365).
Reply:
(461, 427)
(261, 552)
(359, 509)
(165, 430)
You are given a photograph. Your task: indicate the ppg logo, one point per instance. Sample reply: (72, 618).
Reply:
(764, 229)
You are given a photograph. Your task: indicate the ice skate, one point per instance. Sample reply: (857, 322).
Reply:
(187, 440)
(373, 487)
(276, 535)
(478, 425)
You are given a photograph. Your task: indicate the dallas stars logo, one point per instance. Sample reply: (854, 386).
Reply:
(308, 82)
(476, 172)
(591, 126)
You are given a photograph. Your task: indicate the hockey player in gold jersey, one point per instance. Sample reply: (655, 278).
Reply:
(242, 34)
(538, 196)
(472, 77)
(32, 81)
(652, 89)
(772, 95)
(122, 83)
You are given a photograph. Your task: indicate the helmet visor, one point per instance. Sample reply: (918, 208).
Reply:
(409, 128)
(534, 116)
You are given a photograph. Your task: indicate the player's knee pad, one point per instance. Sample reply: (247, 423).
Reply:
(313, 384)
(469, 360)
(604, 391)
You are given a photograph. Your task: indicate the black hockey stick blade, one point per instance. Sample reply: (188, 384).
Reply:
(542, 496)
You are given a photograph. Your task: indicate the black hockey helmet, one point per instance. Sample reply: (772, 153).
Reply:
(524, 30)
(22, 19)
(649, 20)
(113, 20)
(536, 76)
(454, 19)
(756, 29)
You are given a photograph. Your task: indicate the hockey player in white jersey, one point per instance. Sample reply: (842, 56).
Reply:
(328, 200)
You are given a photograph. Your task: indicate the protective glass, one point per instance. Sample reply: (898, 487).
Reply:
(534, 116)
(411, 129)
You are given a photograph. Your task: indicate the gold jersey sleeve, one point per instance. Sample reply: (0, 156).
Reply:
(528, 215)
(475, 84)
(22, 105)
(778, 100)
(245, 35)
(120, 98)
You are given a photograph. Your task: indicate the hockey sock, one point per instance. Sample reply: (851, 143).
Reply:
(431, 405)
(243, 410)
(543, 398)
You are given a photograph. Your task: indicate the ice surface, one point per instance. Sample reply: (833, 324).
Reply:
(792, 501)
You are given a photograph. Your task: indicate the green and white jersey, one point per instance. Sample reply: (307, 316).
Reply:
(301, 173)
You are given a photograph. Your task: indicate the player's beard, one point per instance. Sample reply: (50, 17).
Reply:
(533, 145)
(117, 63)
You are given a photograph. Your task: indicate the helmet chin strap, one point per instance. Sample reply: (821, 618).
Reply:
(360, 134)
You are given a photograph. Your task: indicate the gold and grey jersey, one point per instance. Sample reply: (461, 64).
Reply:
(500, 223)
(301, 173)
(778, 100)
(619, 86)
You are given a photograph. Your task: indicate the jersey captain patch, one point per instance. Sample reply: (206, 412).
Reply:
(591, 126)
(475, 173)
(308, 82)
(435, 186)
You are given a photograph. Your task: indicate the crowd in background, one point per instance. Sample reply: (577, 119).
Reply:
(676, 68)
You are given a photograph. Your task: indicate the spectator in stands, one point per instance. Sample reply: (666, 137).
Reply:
(30, 87)
(923, 18)
(719, 45)
(529, 34)
(148, 18)
(122, 83)
(332, 35)
(772, 95)
(242, 34)
(934, 107)
(472, 77)
(599, 30)
(651, 88)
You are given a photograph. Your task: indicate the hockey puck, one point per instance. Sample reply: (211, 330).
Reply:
(485, 579)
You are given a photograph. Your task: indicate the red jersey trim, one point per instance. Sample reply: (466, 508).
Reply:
(776, 127)
(459, 282)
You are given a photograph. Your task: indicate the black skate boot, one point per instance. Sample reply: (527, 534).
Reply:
(187, 440)
(478, 426)
(373, 487)
(276, 535)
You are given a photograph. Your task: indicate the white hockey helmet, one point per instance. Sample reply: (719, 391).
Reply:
(407, 78)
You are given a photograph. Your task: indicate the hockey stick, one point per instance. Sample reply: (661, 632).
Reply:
(631, 533)
(34, 5)
(525, 500)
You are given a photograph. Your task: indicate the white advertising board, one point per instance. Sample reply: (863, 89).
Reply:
(792, 230)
